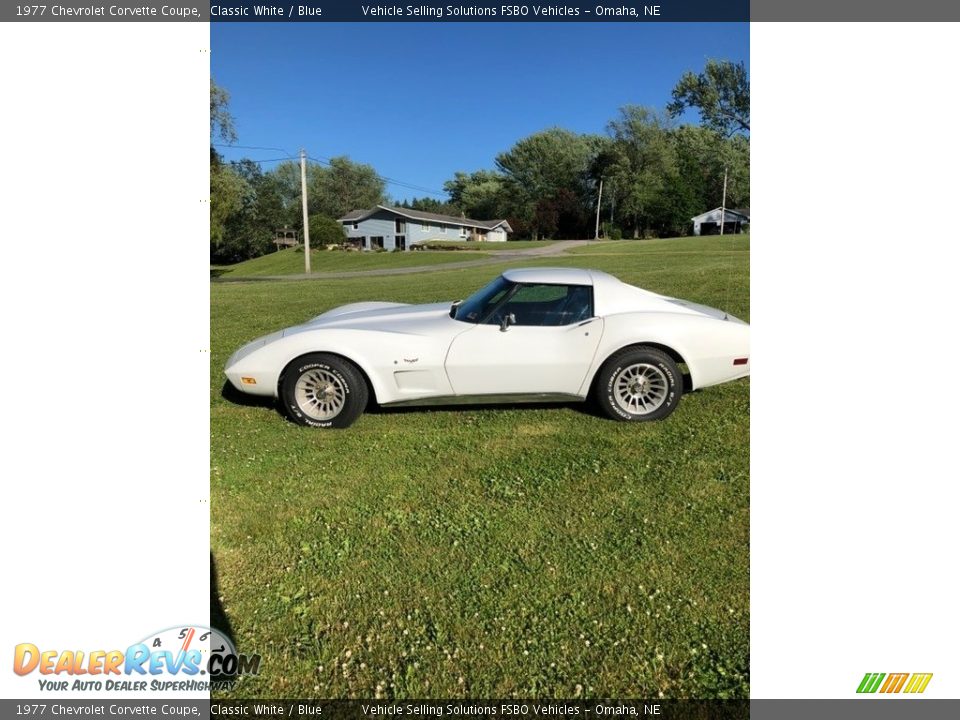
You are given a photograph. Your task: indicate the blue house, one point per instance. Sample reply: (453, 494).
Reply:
(393, 228)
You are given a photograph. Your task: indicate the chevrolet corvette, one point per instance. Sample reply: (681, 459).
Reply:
(531, 335)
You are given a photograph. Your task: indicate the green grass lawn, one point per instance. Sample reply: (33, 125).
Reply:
(290, 262)
(486, 552)
(710, 244)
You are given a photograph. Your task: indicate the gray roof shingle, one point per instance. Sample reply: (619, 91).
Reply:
(356, 215)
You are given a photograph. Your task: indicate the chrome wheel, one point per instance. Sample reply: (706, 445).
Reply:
(640, 389)
(320, 394)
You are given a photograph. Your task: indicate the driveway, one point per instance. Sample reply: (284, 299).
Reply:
(496, 257)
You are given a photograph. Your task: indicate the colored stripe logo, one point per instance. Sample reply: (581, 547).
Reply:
(894, 682)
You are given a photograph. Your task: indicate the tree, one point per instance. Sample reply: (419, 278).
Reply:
(601, 170)
(221, 121)
(286, 177)
(643, 163)
(228, 192)
(538, 167)
(429, 204)
(480, 195)
(249, 228)
(332, 190)
(325, 231)
(702, 157)
(226, 188)
(721, 93)
(343, 186)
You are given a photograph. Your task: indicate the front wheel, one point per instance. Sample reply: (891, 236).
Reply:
(322, 390)
(639, 384)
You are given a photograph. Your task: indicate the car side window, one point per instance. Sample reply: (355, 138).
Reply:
(547, 305)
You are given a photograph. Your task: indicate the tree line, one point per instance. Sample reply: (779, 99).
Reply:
(656, 174)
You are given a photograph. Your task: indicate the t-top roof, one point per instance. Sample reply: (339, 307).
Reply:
(551, 276)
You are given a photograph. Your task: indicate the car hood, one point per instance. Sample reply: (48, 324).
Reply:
(380, 317)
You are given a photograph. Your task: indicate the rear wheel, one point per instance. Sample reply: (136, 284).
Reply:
(639, 384)
(322, 390)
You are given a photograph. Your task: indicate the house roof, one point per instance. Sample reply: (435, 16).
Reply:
(357, 215)
(745, 214)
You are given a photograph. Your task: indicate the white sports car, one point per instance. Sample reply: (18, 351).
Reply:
(533, 334)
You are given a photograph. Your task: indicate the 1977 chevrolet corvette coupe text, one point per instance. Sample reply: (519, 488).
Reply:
(533, 334)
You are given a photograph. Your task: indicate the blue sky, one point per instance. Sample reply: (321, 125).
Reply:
(419, 101)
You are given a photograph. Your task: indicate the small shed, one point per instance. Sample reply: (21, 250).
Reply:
(708, 223)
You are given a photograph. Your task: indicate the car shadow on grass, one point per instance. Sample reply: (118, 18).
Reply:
(229, 393)
(233, 396)
(584, 408)
(218, 616)
(220, 622)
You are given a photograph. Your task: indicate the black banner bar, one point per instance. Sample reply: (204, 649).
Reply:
(628, 11)
(441, 11)
(849, 709)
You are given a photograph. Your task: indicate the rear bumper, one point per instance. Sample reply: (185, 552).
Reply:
(715, 371)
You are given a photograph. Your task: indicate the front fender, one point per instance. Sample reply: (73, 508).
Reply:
(379, 355)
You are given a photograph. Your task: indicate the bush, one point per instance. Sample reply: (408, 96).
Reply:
(439, 245)
(612, 232)
(325, 231)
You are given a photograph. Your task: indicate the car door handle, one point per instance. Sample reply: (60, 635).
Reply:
(587, 321)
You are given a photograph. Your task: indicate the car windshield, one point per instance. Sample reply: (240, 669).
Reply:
(476, 307)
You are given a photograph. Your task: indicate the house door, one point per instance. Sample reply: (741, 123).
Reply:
(401, 242)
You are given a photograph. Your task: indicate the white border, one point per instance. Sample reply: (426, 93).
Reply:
(105, 291)
(854, 497)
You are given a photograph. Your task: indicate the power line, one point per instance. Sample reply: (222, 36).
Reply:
(252, 147)
(257, 162)
(326, 161)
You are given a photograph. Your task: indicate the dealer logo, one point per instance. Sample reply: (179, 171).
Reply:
(183, 658)
(894, 683)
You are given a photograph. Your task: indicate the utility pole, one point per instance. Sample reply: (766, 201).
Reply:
(306, 217)
(723, 203)
(596, 232)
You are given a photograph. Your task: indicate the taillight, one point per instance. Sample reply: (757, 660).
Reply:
(740, 361)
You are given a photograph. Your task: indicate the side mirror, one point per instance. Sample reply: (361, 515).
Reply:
(508, 320)
(453, 308)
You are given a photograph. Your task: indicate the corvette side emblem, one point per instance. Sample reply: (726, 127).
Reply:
(410, 360)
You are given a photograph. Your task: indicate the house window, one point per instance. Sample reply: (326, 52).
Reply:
(443, 229)
(356, 226)
(401, 243)
(463, 232)
(425, 227)
(400, 226)
(376, 241)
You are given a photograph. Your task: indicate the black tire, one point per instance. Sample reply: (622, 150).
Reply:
(633, 379)
(312, 403)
